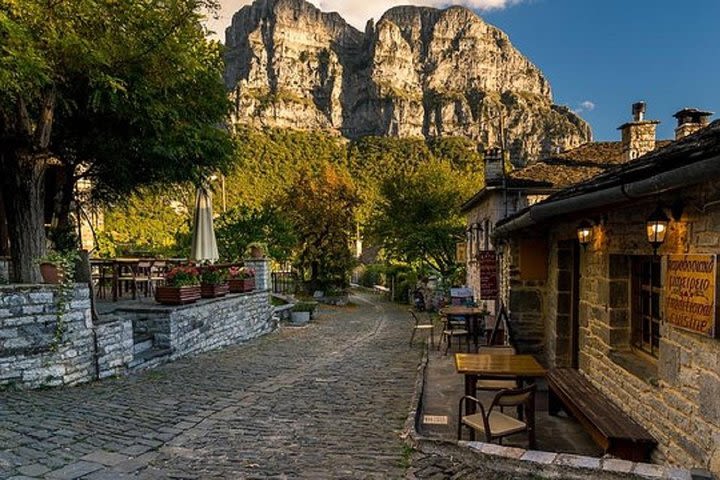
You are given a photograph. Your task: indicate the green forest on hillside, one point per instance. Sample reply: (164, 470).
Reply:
(267, 163)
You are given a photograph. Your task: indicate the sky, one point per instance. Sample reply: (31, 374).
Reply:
(600, 56)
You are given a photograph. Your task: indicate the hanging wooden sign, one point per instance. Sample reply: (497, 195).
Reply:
(691, 292)
(488, 275)
(461, 252)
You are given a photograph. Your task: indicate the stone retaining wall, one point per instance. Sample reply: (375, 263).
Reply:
(206, 325)
(114, 346)
(31, 355)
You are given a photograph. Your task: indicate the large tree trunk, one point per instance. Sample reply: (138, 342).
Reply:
(23, 190)
(4, 235)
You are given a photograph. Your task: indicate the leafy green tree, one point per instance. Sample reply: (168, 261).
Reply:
(269, 161)
(122, 93)
(418, 218)
(241, 226)
(321, 206)
(151, 222)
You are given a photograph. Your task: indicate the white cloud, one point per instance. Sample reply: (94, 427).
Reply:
(586, 106)
(356, 12)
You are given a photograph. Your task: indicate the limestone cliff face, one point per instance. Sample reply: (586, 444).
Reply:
(418, 72)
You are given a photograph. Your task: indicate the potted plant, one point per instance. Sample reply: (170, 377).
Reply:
(213, 282)
(182, 286)
(301, 312)
(256, 249)
(55, 267)
(242, 280)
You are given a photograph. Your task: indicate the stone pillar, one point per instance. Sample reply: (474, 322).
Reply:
(263, 272)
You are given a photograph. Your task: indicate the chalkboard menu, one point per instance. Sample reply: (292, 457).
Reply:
(488, 275)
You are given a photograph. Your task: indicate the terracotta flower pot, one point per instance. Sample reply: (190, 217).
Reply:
(51, 273)
(177, 295)
(214, 291)
(242, 285)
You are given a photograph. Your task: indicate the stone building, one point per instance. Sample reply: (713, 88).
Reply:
(637, 318)
(507, 192)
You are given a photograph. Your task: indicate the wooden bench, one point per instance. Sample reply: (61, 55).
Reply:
(611, 428)
(380, 289)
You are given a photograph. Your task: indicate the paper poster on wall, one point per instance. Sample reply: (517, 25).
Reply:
(691, 293)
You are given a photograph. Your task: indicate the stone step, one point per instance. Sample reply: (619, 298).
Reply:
(148, 355)
(142, 343)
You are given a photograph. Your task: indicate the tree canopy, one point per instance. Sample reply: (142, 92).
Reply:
(124, 93)
(321, 207)
(418, 220)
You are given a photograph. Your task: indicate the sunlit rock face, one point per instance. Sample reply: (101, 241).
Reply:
(417, 72)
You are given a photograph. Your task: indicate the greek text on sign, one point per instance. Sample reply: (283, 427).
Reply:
(488, 275)
(690, 292)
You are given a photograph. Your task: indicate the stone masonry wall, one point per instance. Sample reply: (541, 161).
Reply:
(677, 396)
(526, 305)
(30, 355)
(219, 323)
(491, 209)
(114, 346)
(206, 325)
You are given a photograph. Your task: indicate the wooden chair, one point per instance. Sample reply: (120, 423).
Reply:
(496, 384)
(102, 278)
(142, 273)
(452, 330)
(423, 327)
(157, 274)
(493, 424)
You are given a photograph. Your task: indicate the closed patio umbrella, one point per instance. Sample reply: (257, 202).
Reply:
(204, 243)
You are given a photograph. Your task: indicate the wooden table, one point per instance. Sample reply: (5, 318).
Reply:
(472, 316)
(522, 367)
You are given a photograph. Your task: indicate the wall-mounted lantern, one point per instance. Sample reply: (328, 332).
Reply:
(584, 233)
(657, 227)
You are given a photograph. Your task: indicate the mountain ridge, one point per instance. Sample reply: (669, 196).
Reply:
(417, 72)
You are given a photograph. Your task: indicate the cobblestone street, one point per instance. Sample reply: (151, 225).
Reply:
(325, 401)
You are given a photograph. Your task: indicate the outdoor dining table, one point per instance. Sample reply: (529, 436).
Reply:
(474, 319)
(474, 366)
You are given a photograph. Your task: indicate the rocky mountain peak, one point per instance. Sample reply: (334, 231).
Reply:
(418, 72)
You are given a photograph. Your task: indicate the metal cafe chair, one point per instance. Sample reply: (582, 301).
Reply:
(452, 330)
(426, 327)
(495, 425)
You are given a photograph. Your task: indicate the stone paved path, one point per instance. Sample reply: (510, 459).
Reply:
(325, 401)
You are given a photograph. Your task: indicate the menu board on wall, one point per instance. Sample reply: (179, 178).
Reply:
(488, 275)
(691, 293)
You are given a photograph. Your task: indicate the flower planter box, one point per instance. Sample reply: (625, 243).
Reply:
(242, 285)
(214, 291)
(177, 295)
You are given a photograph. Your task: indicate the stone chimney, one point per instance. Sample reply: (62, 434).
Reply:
(638, 136)
(494, 166)
(690, 120)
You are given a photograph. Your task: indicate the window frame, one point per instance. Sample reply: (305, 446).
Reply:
(646, 304)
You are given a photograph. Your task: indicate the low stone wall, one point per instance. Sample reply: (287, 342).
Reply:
(114, 346)
(31, 354)
(206, 325)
